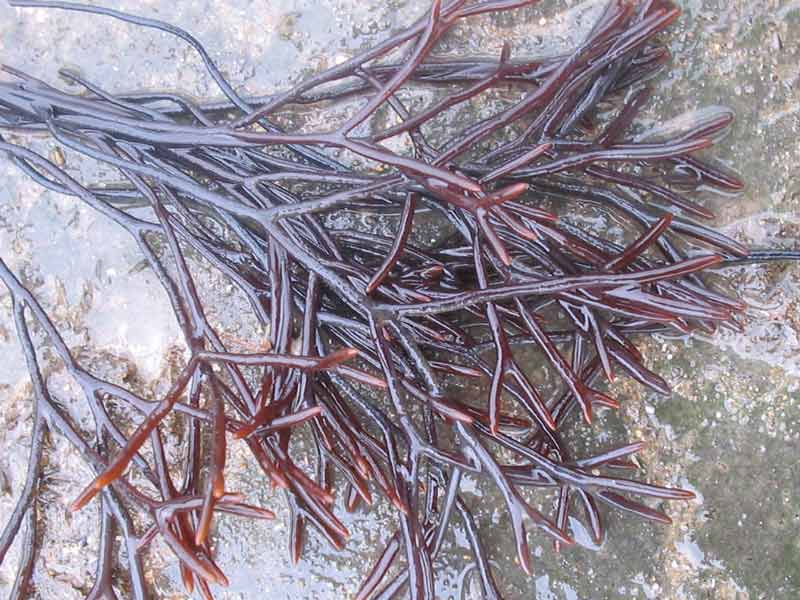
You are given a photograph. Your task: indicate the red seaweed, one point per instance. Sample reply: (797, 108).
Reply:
(387, 330)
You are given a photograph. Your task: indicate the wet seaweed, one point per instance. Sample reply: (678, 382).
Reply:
(369, 337)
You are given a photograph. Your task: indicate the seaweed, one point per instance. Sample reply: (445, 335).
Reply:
(371, 337)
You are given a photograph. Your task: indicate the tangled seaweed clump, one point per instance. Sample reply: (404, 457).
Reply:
(370, 337)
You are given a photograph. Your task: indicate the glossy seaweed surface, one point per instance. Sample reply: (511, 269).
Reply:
(371, 339)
